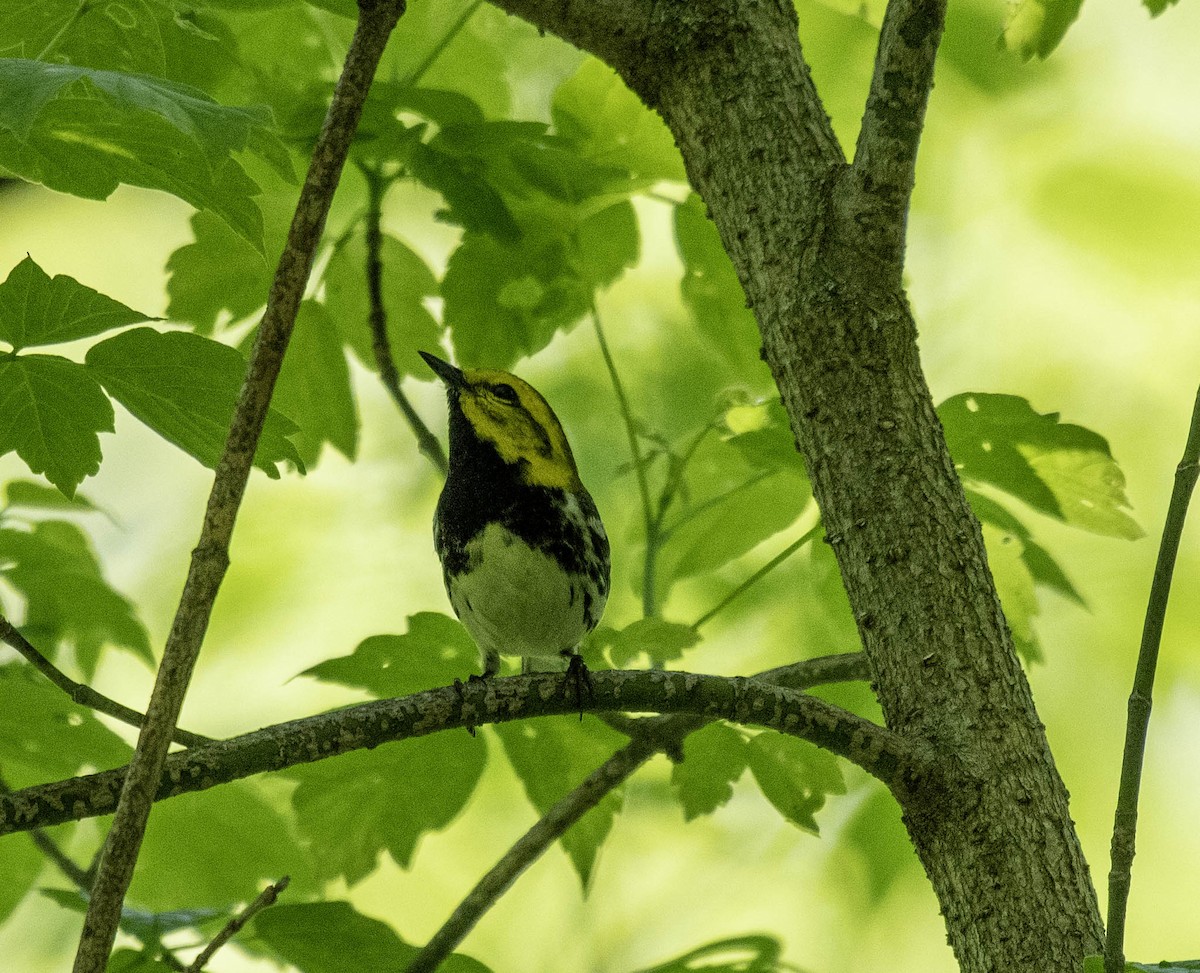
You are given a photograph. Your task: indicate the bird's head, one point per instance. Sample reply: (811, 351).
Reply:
(509, 415)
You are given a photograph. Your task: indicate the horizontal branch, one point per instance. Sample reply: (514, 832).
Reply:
(879, 751)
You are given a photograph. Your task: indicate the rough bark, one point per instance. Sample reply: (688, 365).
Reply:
(823, 276)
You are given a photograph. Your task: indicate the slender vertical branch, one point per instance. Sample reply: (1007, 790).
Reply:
(82, 694)
(652, 524)
(1138, 723)
(884, 170)
(427, 442)
(210, 559)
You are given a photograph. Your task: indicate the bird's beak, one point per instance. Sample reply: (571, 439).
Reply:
(453, 377)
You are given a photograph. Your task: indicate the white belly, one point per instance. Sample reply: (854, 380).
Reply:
(518, 601)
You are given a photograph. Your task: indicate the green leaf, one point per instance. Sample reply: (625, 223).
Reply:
(331, 937)
(713, 759)
(184, 387)
(44, 736)
(219, 276)
(552, 757)
(658, 639)
(1034, 28)
(124, 35)
(606, 244)
(794, 775)
(471, 201)
(762, 433)
(135, 961)
(1062, 470)
(68, 602)
(33, 496)
(313, 389)
(149, 927)
(407, 284)
(355, 806)
(435, 651)
(738, 954)
(38, 310)
(876, 834)
(607, 123)
(712, 292)
(84, 131)
(219, 846)
(23, 863)
(1014, 585)
(491, 323)
(50, 412)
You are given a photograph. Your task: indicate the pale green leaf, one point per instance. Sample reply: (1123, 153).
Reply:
(795, 776)
(713, 759)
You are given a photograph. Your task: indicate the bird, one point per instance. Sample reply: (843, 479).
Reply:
(524, 554)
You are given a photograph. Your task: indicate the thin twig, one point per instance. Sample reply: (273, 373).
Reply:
(266, 898)
(210, 559)
(84, 695)
(884, 170)
(427, 442)
(895, 760)
(758, 575)
(649, 608)
(650, 736)
(1138, 724)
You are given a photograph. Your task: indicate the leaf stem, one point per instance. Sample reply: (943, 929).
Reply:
(1138, 723)
(652, 523)
(427, 442)
(758, 575)
(85, 695)
(210, 559)
(443, 43)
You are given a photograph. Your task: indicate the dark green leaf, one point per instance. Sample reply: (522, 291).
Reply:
(606, 244)
(739, 954)
(552, 757)
(435, 651)
(1033, 28)
(216, 847)
(184, 387)
(313, 389)
(124, 35)
(34, 496)
(38, 310)
(407, 283)
(658, 639)
(50, 413)
(713, 759)
(794, 775)
(353, 807)
(331, 937)
(606, 122)
(135, 961)
(68, 602)
(85, 131)
(45, 736)
(471, 201)
(1062, 470)
(504, 303)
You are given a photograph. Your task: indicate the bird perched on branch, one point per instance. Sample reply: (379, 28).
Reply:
(523, 551)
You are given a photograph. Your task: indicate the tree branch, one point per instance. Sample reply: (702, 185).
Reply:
(650, 736)
(1138, 724)
(894, 760)
(265, 898)
(210, 559)
(82, 694)
(427, 442)
(884, 170)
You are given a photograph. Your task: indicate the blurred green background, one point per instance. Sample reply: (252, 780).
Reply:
(1054, 254)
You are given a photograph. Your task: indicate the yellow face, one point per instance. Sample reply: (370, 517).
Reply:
(510, 413)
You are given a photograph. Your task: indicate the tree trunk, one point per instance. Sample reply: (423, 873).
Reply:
(992, 829)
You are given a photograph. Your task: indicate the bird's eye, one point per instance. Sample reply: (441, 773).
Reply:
(505, 393)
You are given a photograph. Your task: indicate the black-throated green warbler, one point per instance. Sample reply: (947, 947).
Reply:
(523, 550)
